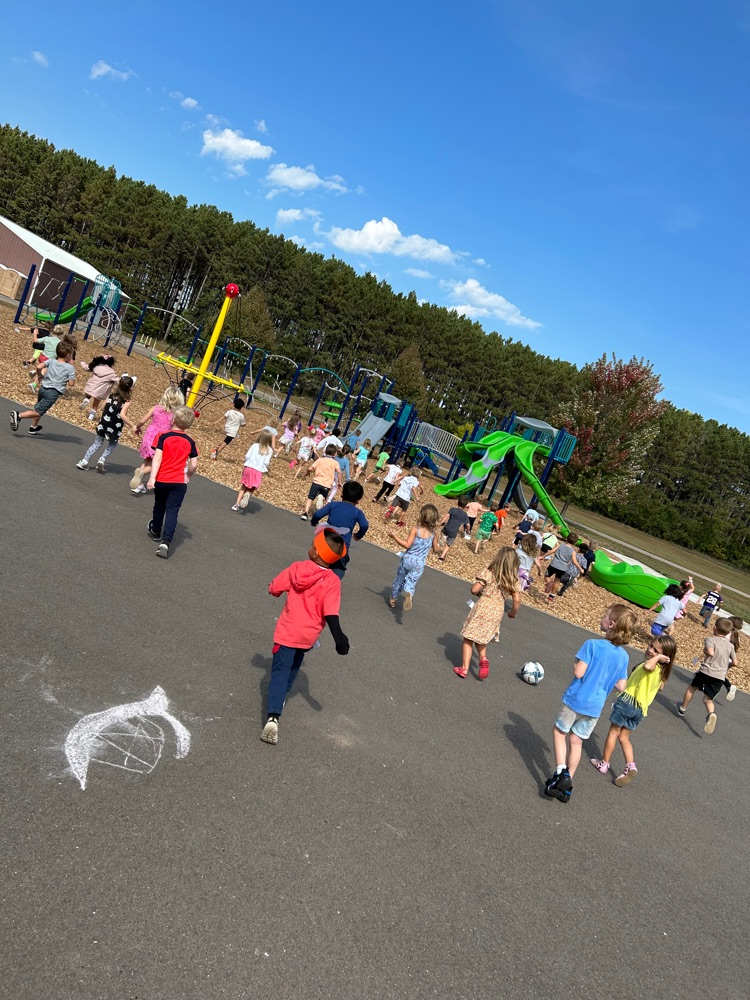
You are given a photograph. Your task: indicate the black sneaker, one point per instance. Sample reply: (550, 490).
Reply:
(163, 550)
(151, 533)
(35, 430)
(559, 786)
(14, 419)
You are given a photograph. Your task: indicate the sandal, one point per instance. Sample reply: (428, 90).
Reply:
(484, 669)
(460, 672)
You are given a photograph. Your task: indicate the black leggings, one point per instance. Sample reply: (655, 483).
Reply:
(385, 490)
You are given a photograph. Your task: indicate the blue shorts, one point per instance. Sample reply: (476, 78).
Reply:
(46, 399)
(626, 714)
(571, 721)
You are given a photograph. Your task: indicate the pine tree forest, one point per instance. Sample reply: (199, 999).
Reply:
(666, 471)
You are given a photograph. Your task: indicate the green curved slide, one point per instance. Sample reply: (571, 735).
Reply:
(629, 582)
(494, 449)
(68, 315)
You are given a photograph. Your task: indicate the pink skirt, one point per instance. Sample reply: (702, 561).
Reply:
(251, 478)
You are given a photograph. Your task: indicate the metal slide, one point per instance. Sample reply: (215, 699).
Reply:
(496, 448)
(374, 428)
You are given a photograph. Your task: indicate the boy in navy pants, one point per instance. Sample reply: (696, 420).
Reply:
(175, 461)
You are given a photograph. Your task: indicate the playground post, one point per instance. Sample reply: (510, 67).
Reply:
(232, 291)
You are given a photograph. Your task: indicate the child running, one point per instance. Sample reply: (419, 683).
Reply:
(393, 471)
(305, 454)
(109, 428)
(233, 420)
(643, 685)
(527, 551)
(718, 655)
(344, 517)
(600, 665)
(487, 524)
(454, 521)
(712, 601)
(174, 463)
(57, 377)
(161, 417)
(257, 460)
(382, 460)
(407, 486)
(492, 586)
(360, 458)
(103, 380)
(314, 601)
(292, 427)
(324, 475)
(669, 606)
(734, 638)
(420, 540)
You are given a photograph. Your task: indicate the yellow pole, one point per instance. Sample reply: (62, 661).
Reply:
(232, 291)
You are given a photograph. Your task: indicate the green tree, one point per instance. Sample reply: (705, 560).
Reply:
(407, 371)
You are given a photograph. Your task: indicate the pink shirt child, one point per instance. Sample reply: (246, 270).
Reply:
(161, 422)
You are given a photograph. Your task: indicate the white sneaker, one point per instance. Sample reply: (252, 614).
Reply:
(244, 501)
(100, 467)
(270, 732)
(731, 692)
(83, 464)
(139, 489)
(137, 478)
(710, 723)
(235, 506)
(92, 415)
(85, 404)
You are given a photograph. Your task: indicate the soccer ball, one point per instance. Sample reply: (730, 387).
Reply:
(532, 672)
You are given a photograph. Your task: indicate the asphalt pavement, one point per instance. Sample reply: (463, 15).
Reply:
(395, 844)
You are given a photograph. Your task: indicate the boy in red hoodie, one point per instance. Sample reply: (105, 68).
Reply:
(314, 600)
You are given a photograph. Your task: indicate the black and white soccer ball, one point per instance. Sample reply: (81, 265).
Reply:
(532, 672)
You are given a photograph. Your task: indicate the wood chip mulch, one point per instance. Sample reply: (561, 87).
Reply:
(582, 605)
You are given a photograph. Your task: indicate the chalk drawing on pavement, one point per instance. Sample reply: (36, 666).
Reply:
(126, 737)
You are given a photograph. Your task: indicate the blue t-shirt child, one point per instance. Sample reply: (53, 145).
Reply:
(606, 665)
(344, 466)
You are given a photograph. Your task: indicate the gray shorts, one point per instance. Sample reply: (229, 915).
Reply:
(570, 721)
(45, 399)
(449, 540)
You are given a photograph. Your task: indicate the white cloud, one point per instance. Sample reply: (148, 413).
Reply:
(286, 215)
(386, 237)
(260, 126)
(216, 120)
(476, 302)
(101, 69)
(40, 59)
(189, 103)
(480, 261)
(281, 177)
(416, 272)
(234, 149)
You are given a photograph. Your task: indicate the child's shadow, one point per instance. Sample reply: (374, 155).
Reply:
(182, 534)
(253, 507)
(453, 647)
(397, 612)
(670, 706)
(301, 685)
(531, 747)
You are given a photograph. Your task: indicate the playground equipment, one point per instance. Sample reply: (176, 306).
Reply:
(511, 450)
(628, 581)
(495, 449)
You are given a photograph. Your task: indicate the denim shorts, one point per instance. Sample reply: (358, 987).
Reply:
(570, 721)
(46, 398)
(626, 714)
(657, 629)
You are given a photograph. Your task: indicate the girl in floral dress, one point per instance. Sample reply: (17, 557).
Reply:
(492, 586)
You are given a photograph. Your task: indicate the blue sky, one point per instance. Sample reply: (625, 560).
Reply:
(573, 175)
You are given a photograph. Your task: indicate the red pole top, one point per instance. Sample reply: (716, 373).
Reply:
(232, 291)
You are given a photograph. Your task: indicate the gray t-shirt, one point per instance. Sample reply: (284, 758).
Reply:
(562, 558)
(59, 373)
(717, 663)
